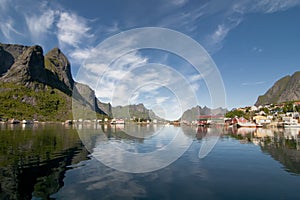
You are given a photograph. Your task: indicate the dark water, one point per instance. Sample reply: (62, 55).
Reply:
(51, 162)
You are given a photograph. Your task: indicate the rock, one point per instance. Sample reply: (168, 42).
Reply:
(285, 89)
(57, 63)
(29, 66)
(86, 96)
(193, 113)
(105, 107)
(8, 54)
(133, 111)
(44, 83)
(6, 61)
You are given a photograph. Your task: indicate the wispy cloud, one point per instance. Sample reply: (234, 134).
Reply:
(72, 29)
(253, 83)
(219, 34)
(271, 6)
(184, 21)
(8, 29)
(179, 2)
(234, 14)
(39, 25)
(196, 77)
(257, 49)
(7, 22)
(216, 38)
(4, 4)
(161, 100)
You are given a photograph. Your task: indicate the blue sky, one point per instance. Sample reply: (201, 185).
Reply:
(252, 42)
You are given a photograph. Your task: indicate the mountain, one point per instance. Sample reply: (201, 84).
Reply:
(193, 113)
(36, 86)
(138, 111)
(285, 89)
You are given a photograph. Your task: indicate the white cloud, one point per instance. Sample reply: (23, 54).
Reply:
(7, 29)
(80, 54)
(183, 21)
(4, 4)
(196, 77)
(114, 28)
(235, 12)
(72, 29)
(160, 100)
(8, 22)
(179, 2)
(220, 33)
(215, 40)
(271, 6)
(38, 25)
(253, 83)
(257, 49)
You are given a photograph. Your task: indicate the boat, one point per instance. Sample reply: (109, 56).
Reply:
(259, 125)
(13, 121)
(117, 121)
(26, 122)
(246, 124)
(69, 122)
(291, 125)
(242, 122)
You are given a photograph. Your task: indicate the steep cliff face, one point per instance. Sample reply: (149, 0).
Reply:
(85, 95)
(58, 64)
(285, 89)
(8, 54)
(292, 90)
(28, 66)
(36, 86)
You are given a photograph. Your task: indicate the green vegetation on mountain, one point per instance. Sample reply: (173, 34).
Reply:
(236, 113)
(21, 102)
(34, 86)
(136, 112)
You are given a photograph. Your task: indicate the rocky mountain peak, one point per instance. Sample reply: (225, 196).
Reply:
(57, 63)
(8, 54)
(28, 66)
(44, 83)
(285, 89)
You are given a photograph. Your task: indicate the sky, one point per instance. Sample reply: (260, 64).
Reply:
(247, 45)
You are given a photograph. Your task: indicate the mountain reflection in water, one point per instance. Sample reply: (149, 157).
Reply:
(51, 161)
(34, 159)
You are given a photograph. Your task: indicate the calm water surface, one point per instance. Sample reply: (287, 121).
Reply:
(51, 162)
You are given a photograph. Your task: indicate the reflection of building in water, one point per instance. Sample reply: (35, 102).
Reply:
(205, 120)
(291, 133)
(281, 144)
(286, 151)
(201, 132)
(245, 130)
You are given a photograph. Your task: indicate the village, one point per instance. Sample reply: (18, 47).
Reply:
(271, 115)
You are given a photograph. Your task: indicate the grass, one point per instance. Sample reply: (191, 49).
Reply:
(41, 103)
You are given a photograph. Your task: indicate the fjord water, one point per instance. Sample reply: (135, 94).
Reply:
(51, 162)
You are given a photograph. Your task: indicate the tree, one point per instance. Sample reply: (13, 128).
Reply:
(234, 113)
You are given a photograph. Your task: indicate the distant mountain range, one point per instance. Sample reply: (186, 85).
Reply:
(193, 113)
(36, 86)
(285, 89)
(137, 112)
